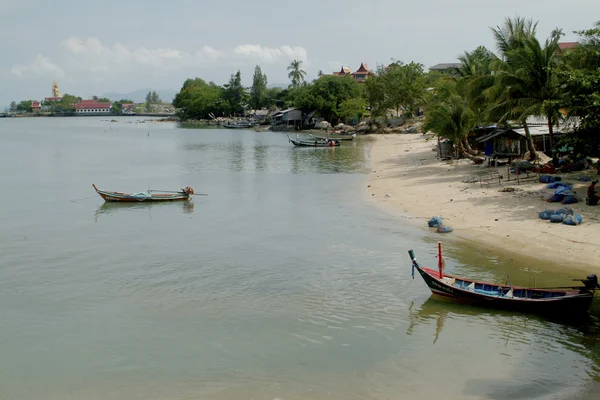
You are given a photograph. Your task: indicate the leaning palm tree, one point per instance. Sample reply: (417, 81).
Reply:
(296, 74)
(449, 116)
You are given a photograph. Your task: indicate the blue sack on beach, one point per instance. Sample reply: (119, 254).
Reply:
(546, 179)
(546, 214)
(558, 185)
(573, 219)
(557, 217)
(564, 210)
(444, 229)
(435, 222)
(569, 199)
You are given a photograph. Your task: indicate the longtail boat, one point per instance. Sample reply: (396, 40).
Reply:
(339, 137)
(149, 195)
(555, 301)
(314, 143)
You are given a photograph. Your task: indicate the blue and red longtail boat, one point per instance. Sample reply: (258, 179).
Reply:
(556, 301)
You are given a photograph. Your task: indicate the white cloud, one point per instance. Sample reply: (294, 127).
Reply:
(269, 54)
(41, 66)
(89, 58)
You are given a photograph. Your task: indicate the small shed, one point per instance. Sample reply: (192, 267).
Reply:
(504, 143)
(289, 117)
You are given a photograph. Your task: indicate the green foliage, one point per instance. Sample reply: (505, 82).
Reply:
(101, 99)
(448, 115)
(62, 107)
(259, 88)
(352, 110)
(235, 97)
(24, 106)
(400, 87)
(13, 106)
(325, 95)
(579, 81)
(117, 106)
(198, 100)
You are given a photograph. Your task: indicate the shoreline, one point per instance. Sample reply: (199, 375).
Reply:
(407, 179)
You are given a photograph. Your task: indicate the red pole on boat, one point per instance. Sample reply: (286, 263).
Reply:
(440, 260)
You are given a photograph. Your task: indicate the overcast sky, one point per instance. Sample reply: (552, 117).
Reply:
(97, 46)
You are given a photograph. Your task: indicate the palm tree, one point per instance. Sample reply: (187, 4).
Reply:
(475, 76)
(296, 74)
(449, 116)
(527, 84)
(513, 33)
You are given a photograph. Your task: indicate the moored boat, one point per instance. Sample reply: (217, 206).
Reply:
(314, 143)
(149, 195)
(237, 125)
(342, 137)
(555, 301)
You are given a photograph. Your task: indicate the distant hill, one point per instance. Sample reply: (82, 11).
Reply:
(139, 96)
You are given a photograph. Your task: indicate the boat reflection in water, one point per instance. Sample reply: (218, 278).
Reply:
(106, 208)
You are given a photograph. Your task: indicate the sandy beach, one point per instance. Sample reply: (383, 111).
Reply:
(407, 178)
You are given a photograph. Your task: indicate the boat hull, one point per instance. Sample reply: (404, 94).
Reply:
(316, 143)
(130, 198)
(572, 303)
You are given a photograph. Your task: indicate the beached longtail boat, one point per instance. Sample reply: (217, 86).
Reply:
(149, 195)
(556, 301)
(314, 143)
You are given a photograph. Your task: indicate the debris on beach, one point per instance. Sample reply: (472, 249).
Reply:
(510, 190)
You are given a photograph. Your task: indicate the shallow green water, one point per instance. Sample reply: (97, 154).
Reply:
(283, 282)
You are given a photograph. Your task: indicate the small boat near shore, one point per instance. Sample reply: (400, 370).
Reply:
(149, 195)
(314, 143)
(237, 125)
(567, 301)
(342, 137)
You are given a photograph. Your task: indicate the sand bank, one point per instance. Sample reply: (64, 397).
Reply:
(407, 177)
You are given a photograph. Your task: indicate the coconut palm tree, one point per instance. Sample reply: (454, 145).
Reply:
(527, 84)
(449, 116)
(296, 74)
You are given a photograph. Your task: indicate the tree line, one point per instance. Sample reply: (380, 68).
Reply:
(337, 98)
(523, 78)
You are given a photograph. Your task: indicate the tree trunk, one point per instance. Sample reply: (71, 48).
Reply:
(532, 152)
(551, 131)
(467, 145)
(463, 152)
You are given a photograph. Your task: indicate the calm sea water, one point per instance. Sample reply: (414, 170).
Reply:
(285, 282)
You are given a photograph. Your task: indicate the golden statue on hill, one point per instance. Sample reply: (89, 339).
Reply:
(55, 92)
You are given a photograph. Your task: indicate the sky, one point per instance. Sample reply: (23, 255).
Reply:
(91, 47)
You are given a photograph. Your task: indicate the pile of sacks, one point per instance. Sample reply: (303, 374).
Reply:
(438, 224)
(564, 215)
(563, 193)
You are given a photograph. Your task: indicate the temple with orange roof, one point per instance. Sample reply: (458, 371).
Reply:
(361, 74)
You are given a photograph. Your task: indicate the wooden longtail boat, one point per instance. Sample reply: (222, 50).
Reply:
(565, 301)
(314, 143)
(150, 195)
(342, 137)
